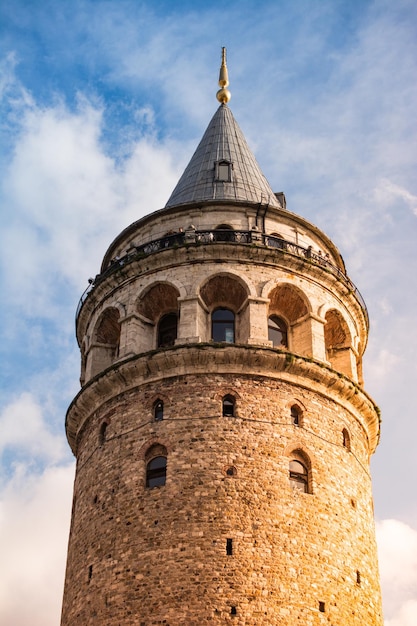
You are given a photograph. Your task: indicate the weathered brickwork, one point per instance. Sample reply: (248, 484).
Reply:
(227, 539)
(160, 553)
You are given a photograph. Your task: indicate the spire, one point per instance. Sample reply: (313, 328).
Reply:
(223, 166)
(223, 95)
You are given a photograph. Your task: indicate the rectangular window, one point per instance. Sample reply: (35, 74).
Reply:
(223, 171)
(229, 547)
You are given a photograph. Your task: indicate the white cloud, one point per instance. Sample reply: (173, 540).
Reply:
(24, 430)
(67, 198)
(406, 616)
(34, 527)
(397, 549)
(384, 363)
(387, 188)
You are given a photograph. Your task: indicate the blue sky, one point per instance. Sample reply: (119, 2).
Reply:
(102, 104)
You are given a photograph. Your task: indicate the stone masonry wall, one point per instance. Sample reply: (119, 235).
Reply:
(158, 556)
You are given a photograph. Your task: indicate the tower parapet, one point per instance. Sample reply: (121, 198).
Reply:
(222, 432)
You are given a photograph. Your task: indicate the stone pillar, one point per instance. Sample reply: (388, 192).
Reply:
(136, 335)
(99, 357)
(255, 321)
(344, 360)
(317, 337)
(307, 337)
(192, 327)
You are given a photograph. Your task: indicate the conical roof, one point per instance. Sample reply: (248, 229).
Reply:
(223, 168)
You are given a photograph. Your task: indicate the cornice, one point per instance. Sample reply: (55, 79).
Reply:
(203, 359)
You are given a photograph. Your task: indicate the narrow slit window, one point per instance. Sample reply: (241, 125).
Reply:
(346, 439)
(295, 415)
(322, 607)
(229, 547)
(228, 406)
(102, 434)
(158, 412)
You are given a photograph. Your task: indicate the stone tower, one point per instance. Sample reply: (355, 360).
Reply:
(222, 433)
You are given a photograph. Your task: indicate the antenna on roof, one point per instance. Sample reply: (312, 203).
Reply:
(223, 95)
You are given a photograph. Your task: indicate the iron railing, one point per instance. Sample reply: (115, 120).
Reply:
(205, 237)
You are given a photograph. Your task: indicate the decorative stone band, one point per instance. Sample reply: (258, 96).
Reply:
(205, 358)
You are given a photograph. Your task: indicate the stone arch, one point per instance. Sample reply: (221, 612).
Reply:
(224, 289)
(296, 400)
(338, 343)
(228, 292)
(290, 308)
(151, 445)
(226, 390)
(159, 308)
(160, 396)
(155, 449)
(298, 445)
(295, 412)
(107, 328)
(105, 345)
(288, 302)
(158, 300)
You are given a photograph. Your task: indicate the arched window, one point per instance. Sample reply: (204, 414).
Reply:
(106, 341)
(156, 472)
(167, 330)
(158, 411)
(296, 415)
(228, 406)
(346, 439)
(276, 241)
(102, 433)
(298, 473)
(224, 232)
(277, 332)
(223, 325)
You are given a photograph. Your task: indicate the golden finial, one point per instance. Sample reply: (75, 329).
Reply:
(223, 95)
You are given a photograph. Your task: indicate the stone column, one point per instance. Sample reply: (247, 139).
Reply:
(192, 327)
(254, 321)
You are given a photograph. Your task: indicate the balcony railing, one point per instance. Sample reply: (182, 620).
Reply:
(206, 237)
